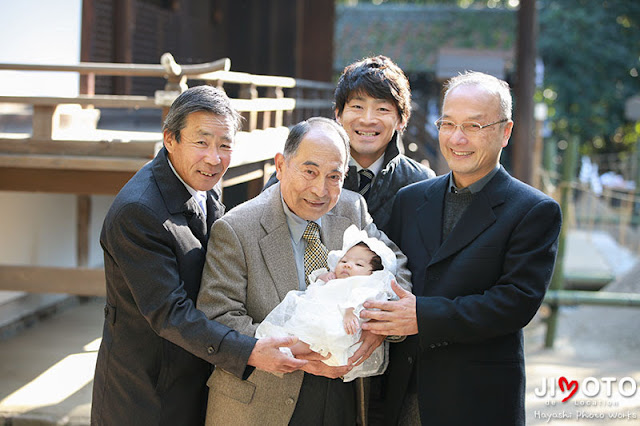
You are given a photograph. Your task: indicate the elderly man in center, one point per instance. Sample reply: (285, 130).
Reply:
(265, 248)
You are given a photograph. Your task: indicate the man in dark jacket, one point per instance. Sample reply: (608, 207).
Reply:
(157, 348)
(373, 104)
(481, 247)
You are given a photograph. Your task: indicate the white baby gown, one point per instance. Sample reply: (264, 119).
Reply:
(315, 316)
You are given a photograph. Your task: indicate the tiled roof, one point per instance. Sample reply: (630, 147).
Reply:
(412, 35)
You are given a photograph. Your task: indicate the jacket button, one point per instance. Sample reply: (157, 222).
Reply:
(289, 401)
(106, 311)
(410, 360)
(432, 346)
(210, 350)
(445, 343)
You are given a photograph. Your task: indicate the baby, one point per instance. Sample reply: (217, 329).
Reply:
(326, 315)
(359, 260)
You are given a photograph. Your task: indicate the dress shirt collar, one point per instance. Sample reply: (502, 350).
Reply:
(476, 186)
(375, 167)
(296, 224)
(192, 191)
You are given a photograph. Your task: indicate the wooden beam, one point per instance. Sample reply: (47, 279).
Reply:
(244, 173)
(63, 181)
(99, 101)
(44, 279)
(72, 162)
(45, 146)
(263, 104)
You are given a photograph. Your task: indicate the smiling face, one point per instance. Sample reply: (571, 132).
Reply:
(204, 152)
(311, 178)
(370, 124)
(472, 157)
(356, 261)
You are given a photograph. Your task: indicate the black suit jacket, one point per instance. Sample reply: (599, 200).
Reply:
(475, 292)
(157, 348)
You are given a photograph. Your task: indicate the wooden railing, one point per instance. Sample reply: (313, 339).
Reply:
(42, 163)
(23, 161)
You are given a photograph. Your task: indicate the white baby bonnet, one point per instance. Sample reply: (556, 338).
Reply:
(352, 236)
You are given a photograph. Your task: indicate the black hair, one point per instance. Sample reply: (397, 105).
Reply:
(376, 261)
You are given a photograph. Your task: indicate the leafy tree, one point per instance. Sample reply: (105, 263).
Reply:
(461, 3)
(591, 53)
(591, 50)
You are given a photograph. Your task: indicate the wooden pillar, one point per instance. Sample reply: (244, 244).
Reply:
(249, 91)
(314, 39)
(42, 121)
(123, 27)
(83, 211)
(87, 81)
(523, 138)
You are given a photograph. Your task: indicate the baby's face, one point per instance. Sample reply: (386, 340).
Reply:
(356, 261)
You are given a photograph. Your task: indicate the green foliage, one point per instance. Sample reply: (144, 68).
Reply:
(591, 53)
(461, 3)
(591, 50)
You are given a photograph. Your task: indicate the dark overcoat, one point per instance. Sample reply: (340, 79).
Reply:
(475, 291)
(157, 348)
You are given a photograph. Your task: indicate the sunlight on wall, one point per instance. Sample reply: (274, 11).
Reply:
(44, 32)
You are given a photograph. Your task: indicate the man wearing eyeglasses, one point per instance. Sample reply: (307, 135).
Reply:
(481, 248)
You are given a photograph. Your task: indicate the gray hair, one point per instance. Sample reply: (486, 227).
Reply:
(200, 98)
(491, 84)
(298, 132)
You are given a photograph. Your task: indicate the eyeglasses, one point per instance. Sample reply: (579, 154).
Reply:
(447, 127)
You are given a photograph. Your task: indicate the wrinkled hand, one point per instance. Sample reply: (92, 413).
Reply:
(370, 342)
(267, 356)
(394, 318)
(319, 368)
(350, 322)
(301, 350)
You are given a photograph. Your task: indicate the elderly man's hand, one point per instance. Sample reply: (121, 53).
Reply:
(370, 342)
(394, 318)
(319, 368)
(266, 355)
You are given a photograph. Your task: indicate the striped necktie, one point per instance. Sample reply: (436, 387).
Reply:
(315, 253)
(366, 176)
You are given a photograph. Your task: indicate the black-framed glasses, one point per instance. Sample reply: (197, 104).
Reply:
(468, 127)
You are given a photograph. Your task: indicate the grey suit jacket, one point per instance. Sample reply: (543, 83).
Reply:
(157, 349)
(250, 268)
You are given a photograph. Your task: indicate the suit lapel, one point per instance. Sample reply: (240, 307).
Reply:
(196, 222)
(177, 198)
(351, 180)
(429, 215)
(476, 218)
(332, 230)
(215, 209)
(276, 244)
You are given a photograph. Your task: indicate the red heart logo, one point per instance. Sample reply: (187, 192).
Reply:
(563, 382)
